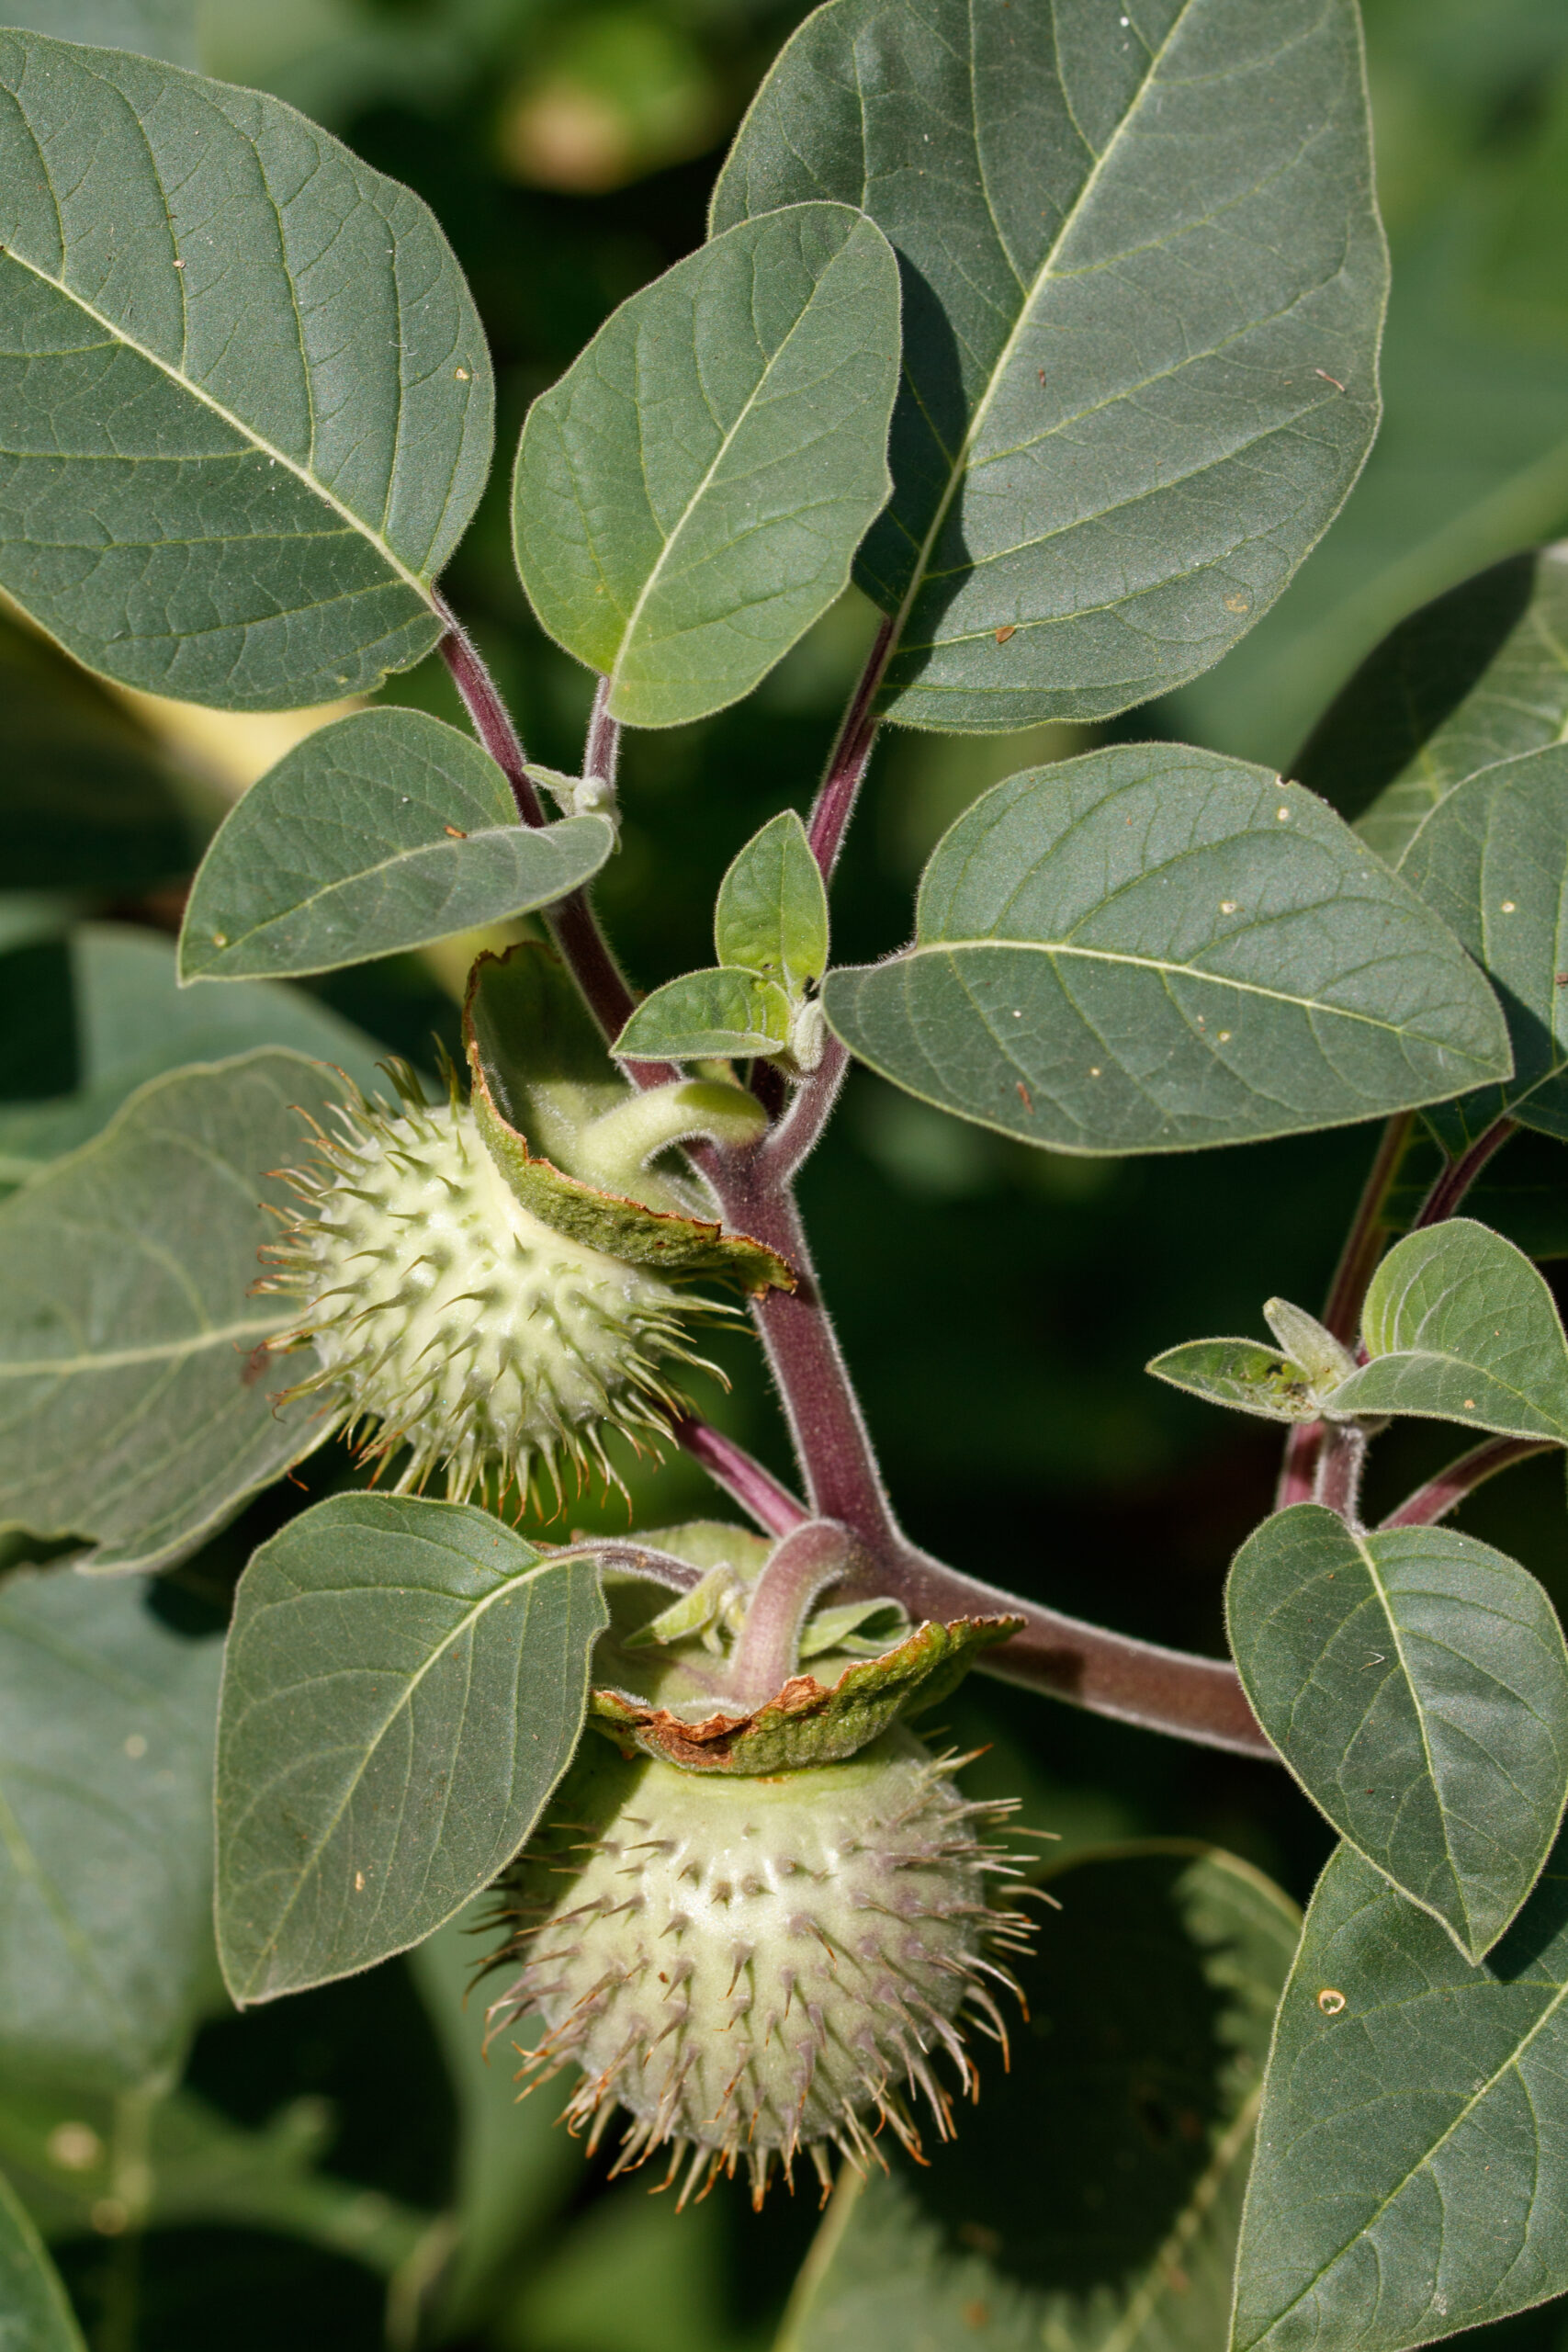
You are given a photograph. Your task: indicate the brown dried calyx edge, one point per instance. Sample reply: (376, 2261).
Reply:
(808, 1722)
(676, 1243)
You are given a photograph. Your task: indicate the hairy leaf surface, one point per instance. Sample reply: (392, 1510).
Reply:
(1412, 2170)
(106, 1721)
(405, 1683)
(245, 395)
(771, 915)
(387, 831)
(1417, 1684)
(690, 495)
(136, 1409)
(1143, 290)
(1095, 2209)
(1459, 1324)
(1244, 1373)
(706, 1014)
(1478, 675)
(1492, 859)
(1151, 948)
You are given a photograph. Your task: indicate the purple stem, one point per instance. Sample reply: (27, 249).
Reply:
(768, 1651)
(1341, 1458)
(1442, 1494)
(757, 1491)
(852, 753)
(1460, 1174)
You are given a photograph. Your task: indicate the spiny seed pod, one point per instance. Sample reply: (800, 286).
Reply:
(759, 1966)
(448, 1318)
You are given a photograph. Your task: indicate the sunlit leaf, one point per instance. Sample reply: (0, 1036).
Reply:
(1151, 948)
(690, 495)
(1416, 1683)
(1412, 2171)
(242, 435)
(1143, 289)
(405, 1683)
(138, 1409)
(387, 830)
(106, 1721)
(1242, 1373)
(772, 911)
(707, 1014)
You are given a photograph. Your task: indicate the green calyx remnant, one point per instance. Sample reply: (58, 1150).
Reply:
(575, 1140)
(447, 1318)
(757, 1969)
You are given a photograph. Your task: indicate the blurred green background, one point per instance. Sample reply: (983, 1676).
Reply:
(997, 1304)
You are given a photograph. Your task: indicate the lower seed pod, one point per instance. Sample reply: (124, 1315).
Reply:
(447, 1318)
(757, 1967)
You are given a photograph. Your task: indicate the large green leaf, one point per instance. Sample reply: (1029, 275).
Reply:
(1417, 1684)
(1143, 290)
(35, 2312)
(405, 1683)
(1092, 2203)
(241, 435)
(107, 1719)
(689, 497)
(1412, 2170)
(1459, 1324)
(387, 830)
(137, 1409)
(86, 802)
(99, 1013)
(164, 28)
(1152, 948)
(1492, 859)
(1477, 675)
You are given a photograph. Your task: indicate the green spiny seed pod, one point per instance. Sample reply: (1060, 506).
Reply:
(448, 1318)
(757, 1967)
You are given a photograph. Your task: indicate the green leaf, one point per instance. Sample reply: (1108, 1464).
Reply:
(706, 1014)
(1092, 2205)
(249, 430)
(690, 495)
(102, 1013)
(1417, 1684)
(405, 1684)
(1410, 2178)
(86, 803)
(1242, 1373)
(1098, 484)
(1476, 676)
(1152, 948)
(164, 28)
(1460, 1327)
(771, 914)
(387, 831)
(35, 2312)
(106, 1720)
(1492, 860)
(137, 1409)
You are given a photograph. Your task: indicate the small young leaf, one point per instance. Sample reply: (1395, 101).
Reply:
(112, 987)
(690, 495)
(106, 1721)
(137, 1404)
(1473, 677)
(35, 2311)
(1324, 1359)
(1459, 1326)
(1099, 484)
(1242, 1373)
(1412, 2171)
(251, 428)
(1417, 1683)
(405, 1683)
(1152, 948)
(1492, 860)
(1096, 2208)
(387, 831)
(706, 1014)
(772, 914)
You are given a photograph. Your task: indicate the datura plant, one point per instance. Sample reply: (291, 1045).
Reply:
(1038, 341)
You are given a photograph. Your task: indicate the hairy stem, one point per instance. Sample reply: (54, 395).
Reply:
(756, 1490)
(1448, 1191)
(1449, 1488)
(768, 1651)
(1341, 1458)
(851, 757)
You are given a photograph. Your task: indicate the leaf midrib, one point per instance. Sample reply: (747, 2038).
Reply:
(247, 433)
(156, 1351)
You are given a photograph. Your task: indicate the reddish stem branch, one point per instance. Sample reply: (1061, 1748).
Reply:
(1449, 1488)
(756, 1490)
(1448, 1191)
(851, 756)
(1341, 1458)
